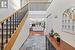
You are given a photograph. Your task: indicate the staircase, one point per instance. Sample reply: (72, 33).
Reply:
(9, 26)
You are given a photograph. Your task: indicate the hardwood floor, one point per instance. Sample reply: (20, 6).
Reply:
(36, 33)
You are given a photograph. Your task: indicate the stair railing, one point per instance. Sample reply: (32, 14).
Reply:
(9, 25)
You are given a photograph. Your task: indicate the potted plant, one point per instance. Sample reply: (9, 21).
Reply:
(57, 36)
(58, 40)
(52, 33)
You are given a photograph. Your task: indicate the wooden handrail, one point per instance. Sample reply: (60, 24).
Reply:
(15, 35)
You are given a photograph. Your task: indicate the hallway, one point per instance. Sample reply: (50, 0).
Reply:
(36, 41)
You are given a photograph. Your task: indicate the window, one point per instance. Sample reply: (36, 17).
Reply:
(69, 24)
(3, 3)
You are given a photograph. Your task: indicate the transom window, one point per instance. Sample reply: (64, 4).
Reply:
(3, 3)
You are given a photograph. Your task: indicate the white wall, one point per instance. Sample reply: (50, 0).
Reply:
(24, 2)
(37, 14)
(13, 5)
(22, 36)
(57, 8)
(48, 25)
(38, 0)
(4, 12)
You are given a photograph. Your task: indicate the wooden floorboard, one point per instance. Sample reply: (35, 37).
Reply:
(36, 33)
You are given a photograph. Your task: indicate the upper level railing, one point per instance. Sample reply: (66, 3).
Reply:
(9, 25)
